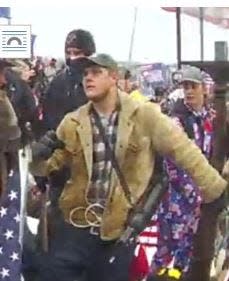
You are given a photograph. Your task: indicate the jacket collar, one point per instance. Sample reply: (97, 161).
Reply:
(125, 126)
(127, 108)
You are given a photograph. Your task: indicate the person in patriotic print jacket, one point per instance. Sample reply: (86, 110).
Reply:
(166, 247)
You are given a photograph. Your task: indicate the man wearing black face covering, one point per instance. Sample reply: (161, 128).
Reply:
(65, 92)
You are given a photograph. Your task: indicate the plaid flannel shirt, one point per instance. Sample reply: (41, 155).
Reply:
(101, 174)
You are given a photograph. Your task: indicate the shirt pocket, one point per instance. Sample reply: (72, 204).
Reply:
(134, 147)
(137, 146)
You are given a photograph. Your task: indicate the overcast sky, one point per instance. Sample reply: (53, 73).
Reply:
(111, 25)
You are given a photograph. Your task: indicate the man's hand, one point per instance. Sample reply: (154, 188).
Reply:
(43, 149)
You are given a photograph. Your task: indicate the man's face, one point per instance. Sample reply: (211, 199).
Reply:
(74, 53)
(98, 81)
(194, 93)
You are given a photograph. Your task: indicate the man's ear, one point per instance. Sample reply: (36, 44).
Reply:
(204, 87)
(114, 74)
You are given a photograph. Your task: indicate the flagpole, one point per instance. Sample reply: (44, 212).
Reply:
(201, 11)
(178, 27)
(133, 35)
(25, 156)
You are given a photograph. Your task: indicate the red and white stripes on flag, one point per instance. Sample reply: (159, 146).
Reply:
(145, 251)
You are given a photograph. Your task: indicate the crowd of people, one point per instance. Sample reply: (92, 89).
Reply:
(98, 144)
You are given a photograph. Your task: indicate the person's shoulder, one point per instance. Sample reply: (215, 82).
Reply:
(128, 98)
(138, 96)
(146, 111)
(138, 105)
(149, 106)
(60, 76)
(68, 125)
(12, 76)
(58, 83)
(179, 108)
(78, 113)
(16, 83)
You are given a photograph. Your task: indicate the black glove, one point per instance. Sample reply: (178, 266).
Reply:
(44, 148)
(41, 183)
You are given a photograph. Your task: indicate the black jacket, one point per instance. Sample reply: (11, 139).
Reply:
(65, 94)
(23, 102)
(21, 97)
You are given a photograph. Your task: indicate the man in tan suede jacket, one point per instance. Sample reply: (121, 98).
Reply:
(93, 202)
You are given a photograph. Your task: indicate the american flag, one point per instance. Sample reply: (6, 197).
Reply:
(145, 251)
(10, 248)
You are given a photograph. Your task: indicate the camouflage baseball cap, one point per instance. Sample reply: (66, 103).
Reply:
(102, 60)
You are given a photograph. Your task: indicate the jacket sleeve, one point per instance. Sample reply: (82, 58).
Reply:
(59, 158)
(170, 140)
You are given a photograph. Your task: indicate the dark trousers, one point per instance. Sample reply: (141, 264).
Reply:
(204, 245)
(77, 255)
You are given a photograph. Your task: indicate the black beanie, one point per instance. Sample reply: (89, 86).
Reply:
(81, 39)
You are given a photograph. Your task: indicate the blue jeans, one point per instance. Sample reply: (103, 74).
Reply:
(77, 255)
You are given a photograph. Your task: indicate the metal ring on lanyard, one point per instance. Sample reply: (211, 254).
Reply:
(87, 212)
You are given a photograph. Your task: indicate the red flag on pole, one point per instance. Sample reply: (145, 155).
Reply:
(217, 16)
